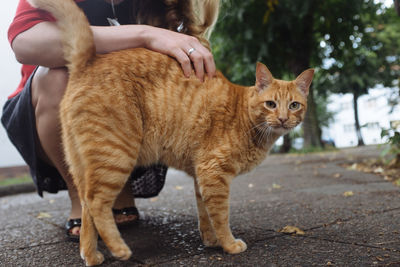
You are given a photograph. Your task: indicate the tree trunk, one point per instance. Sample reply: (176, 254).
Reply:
(301, 61)
(287, 144)
(397, 6)
(312, 133)
(357, 122)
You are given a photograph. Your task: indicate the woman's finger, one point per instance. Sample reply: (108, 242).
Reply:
(208, 59)
(198, 63)
(184, 60)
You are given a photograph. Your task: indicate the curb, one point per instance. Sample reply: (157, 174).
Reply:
(17, 189)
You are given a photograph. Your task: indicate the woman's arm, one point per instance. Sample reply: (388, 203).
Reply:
(41, 45)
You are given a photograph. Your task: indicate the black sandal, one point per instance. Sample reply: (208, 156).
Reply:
(71, 223)
(127, 211)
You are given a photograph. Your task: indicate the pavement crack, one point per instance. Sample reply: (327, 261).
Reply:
(173, 259)
(37, 245)
(351, 243)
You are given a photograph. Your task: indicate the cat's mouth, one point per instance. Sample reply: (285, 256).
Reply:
(282, 128)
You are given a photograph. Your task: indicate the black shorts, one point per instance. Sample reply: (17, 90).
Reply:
(18, 119)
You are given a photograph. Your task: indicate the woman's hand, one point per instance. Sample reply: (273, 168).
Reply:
(179, 45)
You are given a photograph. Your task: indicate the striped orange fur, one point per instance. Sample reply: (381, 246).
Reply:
(135, 108)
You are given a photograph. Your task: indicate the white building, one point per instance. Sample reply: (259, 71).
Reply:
(374, 114)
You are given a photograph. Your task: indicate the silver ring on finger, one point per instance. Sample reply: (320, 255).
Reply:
(191, 50)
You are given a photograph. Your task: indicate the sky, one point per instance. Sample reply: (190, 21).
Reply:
(10, 76)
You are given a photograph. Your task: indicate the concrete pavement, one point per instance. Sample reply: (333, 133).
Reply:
(349, 219)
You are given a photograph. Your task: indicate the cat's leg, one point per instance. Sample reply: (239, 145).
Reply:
(88, 233)
(107, 182)
(214, 190)
(206, 230)
(88, 240)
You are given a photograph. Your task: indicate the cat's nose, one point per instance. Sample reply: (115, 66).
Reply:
(282, 120)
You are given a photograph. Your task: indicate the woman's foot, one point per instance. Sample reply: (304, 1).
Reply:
(125, 211)
(73, 227)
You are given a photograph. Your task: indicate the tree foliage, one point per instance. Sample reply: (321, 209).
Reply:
(333, 36)
(372, 58)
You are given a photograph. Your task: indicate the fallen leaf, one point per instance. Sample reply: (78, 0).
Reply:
(291, 230)
(337, 175)
(348, 193)
(387, 178)
(378, 170)
(51, 201)
(178, 187)
(276, 186)
(379, 258)
(43, 215)
(353, 167)
(251, 185)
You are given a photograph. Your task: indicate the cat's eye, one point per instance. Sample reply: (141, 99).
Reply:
(270, 104)
(294, 105)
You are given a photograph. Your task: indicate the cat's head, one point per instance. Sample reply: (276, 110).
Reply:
(278, 106)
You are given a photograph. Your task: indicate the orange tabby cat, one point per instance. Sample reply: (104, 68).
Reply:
(135, 107)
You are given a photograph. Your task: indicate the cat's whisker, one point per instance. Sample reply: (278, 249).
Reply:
(261, 135)
(264, 133)
(256, 126)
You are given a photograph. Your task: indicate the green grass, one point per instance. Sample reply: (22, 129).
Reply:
(16, 180)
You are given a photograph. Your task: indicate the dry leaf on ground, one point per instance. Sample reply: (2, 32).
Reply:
(276, 186)
(43, 215)
(291, 230)
(348, 193)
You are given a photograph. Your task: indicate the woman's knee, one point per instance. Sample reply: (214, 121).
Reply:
(48, 87)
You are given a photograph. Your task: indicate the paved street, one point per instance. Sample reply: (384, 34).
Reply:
(349, 219)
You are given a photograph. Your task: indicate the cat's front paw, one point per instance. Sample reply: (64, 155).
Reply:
(209, 238)
(236, 247)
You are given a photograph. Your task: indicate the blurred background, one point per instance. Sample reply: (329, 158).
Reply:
(354, 47)
(9, 79)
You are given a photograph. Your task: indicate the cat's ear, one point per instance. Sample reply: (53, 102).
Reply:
(263, 77)
(303, 81)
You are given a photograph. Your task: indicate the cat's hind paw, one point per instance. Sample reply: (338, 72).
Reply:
(123, 252)
(236, 247)
(93, 260)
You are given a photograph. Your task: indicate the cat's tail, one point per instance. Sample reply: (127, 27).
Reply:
(77, 37)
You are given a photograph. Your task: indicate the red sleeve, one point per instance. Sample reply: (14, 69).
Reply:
(25, 18)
